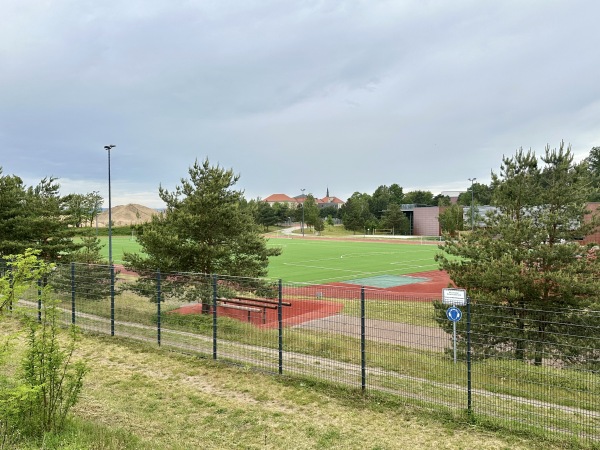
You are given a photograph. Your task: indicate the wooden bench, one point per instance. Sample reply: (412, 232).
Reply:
(251, 305)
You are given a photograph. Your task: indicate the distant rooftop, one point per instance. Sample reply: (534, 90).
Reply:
(452, 193)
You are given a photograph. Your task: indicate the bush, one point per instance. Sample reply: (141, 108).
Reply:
(38, 399)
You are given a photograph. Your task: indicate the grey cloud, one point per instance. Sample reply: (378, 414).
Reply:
(293, 94)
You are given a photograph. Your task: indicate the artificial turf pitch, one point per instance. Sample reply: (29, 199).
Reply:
(352, 262)
(321, 261)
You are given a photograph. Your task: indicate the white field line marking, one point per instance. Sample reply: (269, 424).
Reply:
(413, 264)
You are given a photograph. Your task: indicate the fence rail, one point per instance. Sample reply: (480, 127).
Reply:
(516, 367)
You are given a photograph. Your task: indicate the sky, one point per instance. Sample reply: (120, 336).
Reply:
(291, 95)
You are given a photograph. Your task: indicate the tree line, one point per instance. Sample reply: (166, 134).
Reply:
(383, 208)
(380, 210)
(40, 218)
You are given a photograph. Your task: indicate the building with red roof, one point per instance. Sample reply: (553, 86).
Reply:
(324, 202)
(282, 199)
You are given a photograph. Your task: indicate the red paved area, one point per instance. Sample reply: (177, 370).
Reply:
(422, 291)
(304, 310)
(299, 312)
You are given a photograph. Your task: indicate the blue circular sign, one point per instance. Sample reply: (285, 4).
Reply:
(453, 314)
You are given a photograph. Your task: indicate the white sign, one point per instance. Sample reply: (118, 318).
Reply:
(454, 296)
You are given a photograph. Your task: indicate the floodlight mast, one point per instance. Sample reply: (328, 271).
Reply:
(303, 198)
(472, 180)
(110, 260)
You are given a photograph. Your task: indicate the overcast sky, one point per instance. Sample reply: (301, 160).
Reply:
(348, 95)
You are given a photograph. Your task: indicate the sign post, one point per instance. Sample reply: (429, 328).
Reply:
(454, 297)
(454, 314)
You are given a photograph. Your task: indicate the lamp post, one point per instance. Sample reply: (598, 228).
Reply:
(303, 189)
(472, 180)
(107, 148)
(110, 261)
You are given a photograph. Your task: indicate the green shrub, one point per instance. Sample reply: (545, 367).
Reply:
(37, 399)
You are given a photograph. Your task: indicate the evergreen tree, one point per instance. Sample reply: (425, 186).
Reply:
(319, 225)
(282, 212)
(12, 227)
(394, 219)
(206, 228)
(34, 217)
(593, 162)
(524, 265)
(266, 215)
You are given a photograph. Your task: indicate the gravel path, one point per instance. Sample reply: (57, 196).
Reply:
(415, 336)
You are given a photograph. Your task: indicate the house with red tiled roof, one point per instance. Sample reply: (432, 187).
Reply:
(298, 200)
(329, 200)
(282, 199)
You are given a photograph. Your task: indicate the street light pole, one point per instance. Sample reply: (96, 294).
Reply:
(110, 261)
(303, 189)
(472, 180)
(107, 148)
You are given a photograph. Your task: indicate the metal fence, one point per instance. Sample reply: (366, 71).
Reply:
(515, 367)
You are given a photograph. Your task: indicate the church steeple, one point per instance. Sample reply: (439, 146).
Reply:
(327, 192)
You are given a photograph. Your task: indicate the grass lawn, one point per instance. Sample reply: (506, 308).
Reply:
(138, 397)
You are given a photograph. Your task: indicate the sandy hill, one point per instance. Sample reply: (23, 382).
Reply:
(124, 215)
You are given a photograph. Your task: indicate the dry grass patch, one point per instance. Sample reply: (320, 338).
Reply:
(138, 397)
(177, 402)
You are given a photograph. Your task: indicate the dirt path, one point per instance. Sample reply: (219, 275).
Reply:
(415, 336)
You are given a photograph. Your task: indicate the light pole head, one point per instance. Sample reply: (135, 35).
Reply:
(108, 147)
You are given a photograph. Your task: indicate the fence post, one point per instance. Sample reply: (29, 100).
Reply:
(280, 327)
(112, 299)
(11, 282)
(214, 308)
(72, 292)
(363, 355)
(469, 405)
(39, 303)
(158, 297)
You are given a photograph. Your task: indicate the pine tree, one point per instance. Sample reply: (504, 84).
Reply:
(33, 217)
(205, 229)
(525, 264)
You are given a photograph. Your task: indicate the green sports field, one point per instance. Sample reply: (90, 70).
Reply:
(120, 245)
(327, 261)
